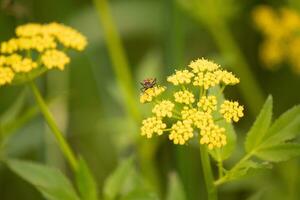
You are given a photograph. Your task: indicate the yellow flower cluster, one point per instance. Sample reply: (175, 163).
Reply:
(213, 136)
(55, 58)
(181, 77)
(152, 125)
(163, 109)
(37, 46)
(193, 113)
(281, 31)
(181, 132)
(184, 96)
(208, 103)
(151, 93)
(231, 110)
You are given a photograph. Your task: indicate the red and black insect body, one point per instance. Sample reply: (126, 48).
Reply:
(148, 83)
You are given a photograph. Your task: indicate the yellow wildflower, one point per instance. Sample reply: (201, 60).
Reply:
(152, 125)
(195, 112)
(150, 93)
(181, 132)
(163, 109)
(227, 78)
(208, 103)
(281, 30)
(184, 96)
(213, 136)
(6, 75)
(200, 119)
(180, 77)
(202, 65)
(231, 111)
(55, 59)
(24, 65)
(206, 80)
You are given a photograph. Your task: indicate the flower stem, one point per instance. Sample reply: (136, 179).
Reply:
(64, 146)
(207, 172)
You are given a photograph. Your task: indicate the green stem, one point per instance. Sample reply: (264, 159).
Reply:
(121, 68)
(225, 178)
(118, 57)
(64, 146)
(208, 175)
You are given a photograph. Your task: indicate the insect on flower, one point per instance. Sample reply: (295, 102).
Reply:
(148, 83)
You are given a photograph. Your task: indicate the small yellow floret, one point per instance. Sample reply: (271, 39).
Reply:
(55, 59)
(6, 75)
(181, 132)
(202, 65)
(200, 119)
(184, 96)
(163, 109)
(152, 125)
(213, 136)
(206, 80)
(231, 111)
(208, 103)
(149, 94)
(24, 65)
(180, 77)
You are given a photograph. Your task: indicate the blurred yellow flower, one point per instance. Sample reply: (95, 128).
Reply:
(55, 58)
(231, 110)
(37, 47)
(281, 31)
(189, 112)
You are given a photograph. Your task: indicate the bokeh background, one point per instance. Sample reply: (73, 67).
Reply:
(88, 102)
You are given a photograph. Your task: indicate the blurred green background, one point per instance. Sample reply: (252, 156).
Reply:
(158, 36)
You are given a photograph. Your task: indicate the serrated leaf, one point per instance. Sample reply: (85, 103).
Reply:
(280, 152)
(116, 180)
(175, 190)
(244, 168)
(260, 126)
(286, 127)
(224, 152)
(85, 182)
(49, 181)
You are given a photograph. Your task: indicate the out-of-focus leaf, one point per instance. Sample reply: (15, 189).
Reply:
(260, 126)
(140, 195)
(280, 152)
(257, 196)
(244, 168)
(14, 110)
(116, 180)
(175, 188)
(224, 152)
(286, 127)
(49, 181)
(86, 183)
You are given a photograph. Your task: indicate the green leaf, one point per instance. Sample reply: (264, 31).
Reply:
(224, 152)
(244, 168)
(116, 180)
(175, 190)
(49, 181)
(85, 182)
(140, 195)
(260, 126)
(286, 127)
(280, 152)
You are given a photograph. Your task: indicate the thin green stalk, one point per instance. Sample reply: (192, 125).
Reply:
(225, 178)
(64, 146)
(121, 68)
(208, 175)
(118, 57)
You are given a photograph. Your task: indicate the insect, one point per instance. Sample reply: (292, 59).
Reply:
(148, 83)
